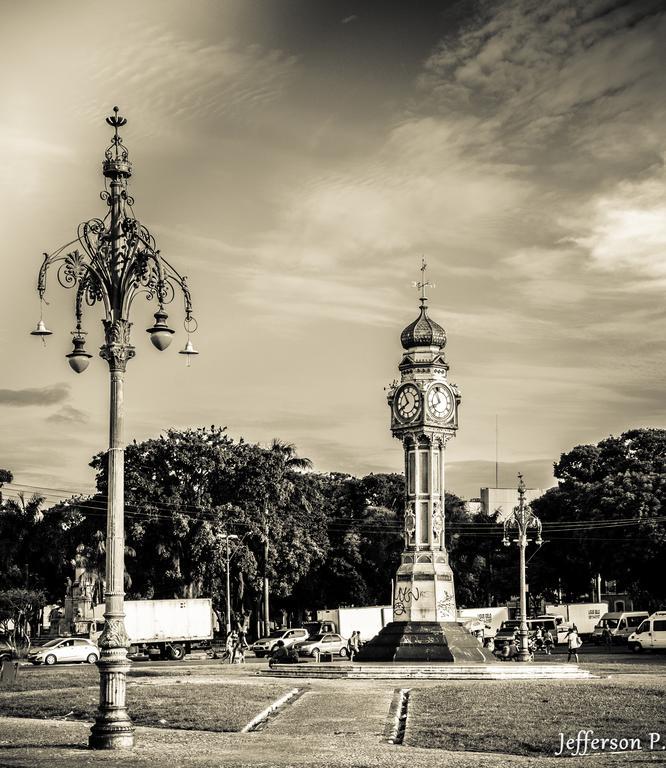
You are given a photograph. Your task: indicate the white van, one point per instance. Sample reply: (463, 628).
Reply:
(651, 634)
(620, 624)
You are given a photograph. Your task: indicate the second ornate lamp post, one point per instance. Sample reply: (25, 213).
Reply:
(111, 261)
(522, 519)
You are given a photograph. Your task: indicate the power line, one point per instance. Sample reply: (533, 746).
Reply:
(153, 510)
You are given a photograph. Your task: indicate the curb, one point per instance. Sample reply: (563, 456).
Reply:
(395, 729)
(263, 715)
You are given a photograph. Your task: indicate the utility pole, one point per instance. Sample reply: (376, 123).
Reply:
(496, 451)
(228, 536)
(267, 618)
(522, 519)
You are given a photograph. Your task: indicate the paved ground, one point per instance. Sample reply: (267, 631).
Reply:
(335, 723)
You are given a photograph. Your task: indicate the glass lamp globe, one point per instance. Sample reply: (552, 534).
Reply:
(160, 333)
(78, 358)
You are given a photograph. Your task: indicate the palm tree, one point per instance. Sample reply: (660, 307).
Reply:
(91, 559)
(21, 517)
(286, 462)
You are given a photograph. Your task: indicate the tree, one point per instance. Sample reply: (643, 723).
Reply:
(170, 508)
(20, 519)
(186, 489)
(606, 516)
(18, 608)
(270, 494)
(484, 572)
(364, 520)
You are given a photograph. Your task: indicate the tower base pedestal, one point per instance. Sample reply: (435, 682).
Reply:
(424, 641)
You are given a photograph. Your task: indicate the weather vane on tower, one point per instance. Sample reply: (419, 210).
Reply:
(423, 283)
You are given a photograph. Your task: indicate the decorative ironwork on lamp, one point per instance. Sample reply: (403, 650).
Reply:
(114, 259)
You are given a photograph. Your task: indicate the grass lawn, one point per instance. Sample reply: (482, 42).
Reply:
(526, 718)
(212, 707)
(39, 678)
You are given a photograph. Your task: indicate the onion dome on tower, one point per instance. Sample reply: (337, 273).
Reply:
(423, 332)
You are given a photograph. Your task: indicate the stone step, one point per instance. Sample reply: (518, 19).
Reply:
(507, 671)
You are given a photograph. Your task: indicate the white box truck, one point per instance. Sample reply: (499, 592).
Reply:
(491, 618)
(584, 615)
(368, 620)
(171, 628)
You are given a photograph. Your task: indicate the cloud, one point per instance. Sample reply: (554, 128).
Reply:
(628, 229)
(528, 120)
(341, 236)
(205, 81)
(51, 395)
(69, 415)
(530, 68)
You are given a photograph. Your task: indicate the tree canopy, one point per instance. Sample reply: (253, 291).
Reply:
(606, 516)
(334, 539)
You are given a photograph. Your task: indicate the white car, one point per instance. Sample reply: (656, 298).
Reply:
(266, 645)
(327, 642)
(65, 649)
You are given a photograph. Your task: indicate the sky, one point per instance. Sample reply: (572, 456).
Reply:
(295, 159)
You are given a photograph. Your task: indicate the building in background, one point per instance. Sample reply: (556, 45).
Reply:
(502, 500)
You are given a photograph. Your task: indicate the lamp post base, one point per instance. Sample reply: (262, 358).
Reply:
(113, 728)
(523, 649)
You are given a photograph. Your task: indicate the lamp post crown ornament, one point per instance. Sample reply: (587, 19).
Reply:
(521, 488)
(117, 157)
(111, 261)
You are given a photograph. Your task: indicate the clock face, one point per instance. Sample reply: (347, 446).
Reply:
(440, 401)
(408, 402)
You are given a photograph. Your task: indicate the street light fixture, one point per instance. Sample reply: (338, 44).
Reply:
(111, 261)
(522, 519)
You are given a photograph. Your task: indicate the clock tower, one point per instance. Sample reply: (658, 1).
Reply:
(424, 417)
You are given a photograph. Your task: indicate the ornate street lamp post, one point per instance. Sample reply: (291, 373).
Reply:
(111, 261)
(522, 519)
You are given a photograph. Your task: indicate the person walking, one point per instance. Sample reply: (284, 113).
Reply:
(538, 638)
(232, 642)
(548, 642)
(574, 643)
(353, 644)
